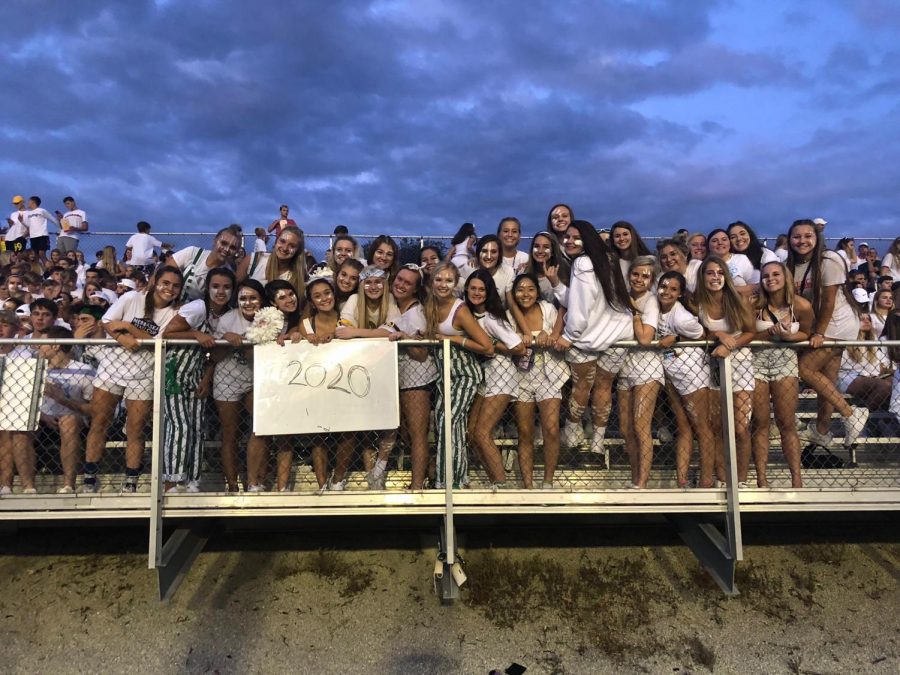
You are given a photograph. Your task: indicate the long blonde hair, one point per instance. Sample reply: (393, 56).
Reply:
(362, 314)
(870, 353)
(764, 299)
(735, 311)
(431, 309)
(297, 265)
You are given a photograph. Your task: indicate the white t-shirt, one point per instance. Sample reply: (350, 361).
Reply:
(741, 269)
(259, 246)
(232, 321)
(142, 245)
(192, 263)
(130, 308)
(412, 373)
(890, 261)
(37, 220)
(18, 229)
(72, 223)
(500, 331)
(77, 382)
(679, 321)
(517, 263)
(844, 324)
(767, 257)
(781, 254)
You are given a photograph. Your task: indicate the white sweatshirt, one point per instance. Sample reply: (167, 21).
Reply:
(591, 323)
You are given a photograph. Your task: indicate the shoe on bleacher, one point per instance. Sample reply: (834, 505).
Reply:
(572, 434)
(854, 425)
(193, 486)
(810, 434)
(5, 490)
(65, 490)
(130, 485)
(91, 485)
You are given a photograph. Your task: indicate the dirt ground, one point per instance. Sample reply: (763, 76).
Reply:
(567, 598)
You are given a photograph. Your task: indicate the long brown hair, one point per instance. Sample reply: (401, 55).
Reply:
(735, 311)
(815, 266)
(149, 306)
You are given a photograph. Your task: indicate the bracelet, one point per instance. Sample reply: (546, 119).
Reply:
(464, 340)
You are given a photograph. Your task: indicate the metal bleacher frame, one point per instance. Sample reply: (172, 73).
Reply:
(709, 520)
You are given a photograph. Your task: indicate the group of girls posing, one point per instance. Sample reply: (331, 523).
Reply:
(521, 325)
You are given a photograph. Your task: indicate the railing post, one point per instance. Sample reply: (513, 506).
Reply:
(733, 513)
(449, 533)
(157, 494)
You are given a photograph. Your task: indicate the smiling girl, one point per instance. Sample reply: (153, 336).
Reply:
(128, 372)
(500, 380)
(188, 378)
(642, 374)
(541, 385)
(509, 232)
(287, 261)
(782, 316)
(820, 276)
(728, 320)
(448, 318)
(233, 377)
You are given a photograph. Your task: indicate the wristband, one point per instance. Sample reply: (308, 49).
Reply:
(464, 340)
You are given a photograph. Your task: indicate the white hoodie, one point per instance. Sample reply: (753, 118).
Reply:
(591, 323)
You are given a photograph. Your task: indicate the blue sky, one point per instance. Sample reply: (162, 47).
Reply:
(417, 116)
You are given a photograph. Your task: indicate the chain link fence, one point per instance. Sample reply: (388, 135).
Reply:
(76, 417)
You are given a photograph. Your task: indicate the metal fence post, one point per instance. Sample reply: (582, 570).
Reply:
(157, 494)
(448, 587)
(733, 513)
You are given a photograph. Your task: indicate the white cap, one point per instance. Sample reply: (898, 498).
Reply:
(820, 221)
(860, 295)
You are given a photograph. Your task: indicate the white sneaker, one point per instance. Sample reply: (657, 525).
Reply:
(572, 434)
(810, 434)
(65, 490)
(854, 425)
(29, 491)
(5, 490)
(336, 486)
(193, 486)
(255, 488)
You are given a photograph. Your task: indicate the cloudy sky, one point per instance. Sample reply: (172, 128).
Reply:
(415, 116)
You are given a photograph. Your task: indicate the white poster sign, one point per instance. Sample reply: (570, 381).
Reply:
(21, 393)
(345, 385)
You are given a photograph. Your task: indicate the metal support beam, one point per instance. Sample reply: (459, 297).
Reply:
(157, 494)
(447, 568)
(178, 554)
(711, 549)
(733, 512)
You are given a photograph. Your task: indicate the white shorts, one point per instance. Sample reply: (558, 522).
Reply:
(612, 360)
(642, 366)
(775, 363)
(126, 374)
(232, 379)
(501, 377)
(741, 370)
(575, 355)
(546, 378)
(687, 369)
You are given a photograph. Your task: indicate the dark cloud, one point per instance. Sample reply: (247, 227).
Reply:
(397, 116)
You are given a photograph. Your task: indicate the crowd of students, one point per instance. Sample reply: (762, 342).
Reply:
(535, 329)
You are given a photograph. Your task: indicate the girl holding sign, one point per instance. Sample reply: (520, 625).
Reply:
(280, 294)
(448, 318)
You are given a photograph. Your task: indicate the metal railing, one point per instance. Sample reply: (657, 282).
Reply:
(863, 476)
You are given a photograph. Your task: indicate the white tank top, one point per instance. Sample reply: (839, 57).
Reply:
(445, 327)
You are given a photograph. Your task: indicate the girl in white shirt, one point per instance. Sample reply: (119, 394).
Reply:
(642, 375)
(233, 376)
(500, 380)
(866, 371)
(727, 319)
(739, 266)
(509, 231)
(462, 247)
(128, 372)
(890, 265)
(820, 276)
(626, 245)
(674, 256)
(599, 314)
(782, 316)
(745, 242)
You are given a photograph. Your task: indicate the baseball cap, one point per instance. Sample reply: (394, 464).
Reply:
(127, 283)
(860, 295)
(820, 221)
(18, 199)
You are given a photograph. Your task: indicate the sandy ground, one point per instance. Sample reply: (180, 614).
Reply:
(563, 599)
